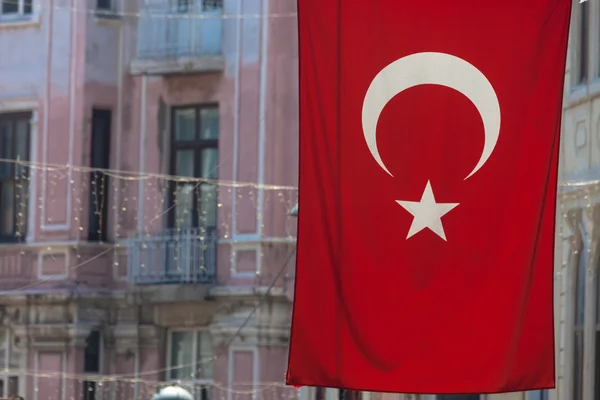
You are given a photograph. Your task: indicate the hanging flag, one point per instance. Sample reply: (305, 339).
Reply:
(429, 141)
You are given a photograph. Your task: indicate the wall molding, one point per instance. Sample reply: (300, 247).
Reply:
(230, 370)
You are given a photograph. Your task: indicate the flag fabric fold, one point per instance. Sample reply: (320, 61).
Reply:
(429, 142)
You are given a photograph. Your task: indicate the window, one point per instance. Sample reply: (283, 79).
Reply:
(106, 9)
(14, 183)
(579, 306)
(194, 154)
(320, 393)
(212, 5)
(16, 9)
(10, 360)
(597, 338)
(188, 6)
(597, 366)
(538, 395)
(91, 363)
(104, 5)
(99, 181)
(582, 47)
(185, 6)
(350, 395)
(188, 355)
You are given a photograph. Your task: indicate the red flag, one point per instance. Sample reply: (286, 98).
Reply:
(429, 140)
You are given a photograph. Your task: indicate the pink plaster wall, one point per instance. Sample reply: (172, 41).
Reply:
(76, 66)
(242, 373)
(48, 387)
(70, 87)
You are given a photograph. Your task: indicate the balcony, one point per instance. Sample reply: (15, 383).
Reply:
(173, 257)
(180, 36)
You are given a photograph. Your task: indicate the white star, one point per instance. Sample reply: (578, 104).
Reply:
(427, 213)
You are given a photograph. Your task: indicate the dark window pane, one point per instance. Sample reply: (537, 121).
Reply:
(212, 5)
(10, 7)
(184, 206)
(458, 397)
(21, 199)
(597, 369)
(21, 138)
(208, 192)
(28, 7)
(14, 183)
(184, 163)
(13, 386)
(89, 390)
(319, 393)
(184, 6)
(185, 124)
(6, 149)
(208, 206)
(7, 208)
(99, 182)
(584, 26)
(92, 353)
(204, 351)
(598, 310)
(580, 285)
(209, 123)
(104, 5)
(182, 354)
(578, 366)
(210, 163)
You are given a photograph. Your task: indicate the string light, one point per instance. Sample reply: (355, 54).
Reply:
(208, 202)
(121, 389)
(212, 212)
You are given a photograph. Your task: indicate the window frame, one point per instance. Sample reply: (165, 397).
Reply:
(112, 12)
(111, 6)
(5, 377)
(20, 15)
(99, 182)
(580, 255)
(197, 146)
(196, 331)
(580, 70)
(14, 117)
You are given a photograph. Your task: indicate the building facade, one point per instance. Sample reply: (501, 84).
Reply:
(128, 252)
(577, 276)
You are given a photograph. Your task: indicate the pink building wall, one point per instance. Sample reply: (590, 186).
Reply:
(57, 286)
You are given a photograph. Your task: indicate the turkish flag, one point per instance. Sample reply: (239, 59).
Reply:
(429, 141)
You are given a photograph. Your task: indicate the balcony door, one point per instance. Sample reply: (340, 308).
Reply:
(188, 248)
(194, 155)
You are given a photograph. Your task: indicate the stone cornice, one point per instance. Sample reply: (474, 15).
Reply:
(262, 336)
(127, 337)
(219, 292)
(51, 335)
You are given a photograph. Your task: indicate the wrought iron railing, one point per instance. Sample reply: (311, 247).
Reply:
(175, 256)
(180, 29)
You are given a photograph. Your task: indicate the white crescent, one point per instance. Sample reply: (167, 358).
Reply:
(432, 69)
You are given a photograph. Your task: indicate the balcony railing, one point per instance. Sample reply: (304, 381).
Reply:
(184, 35)
(173, 257)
